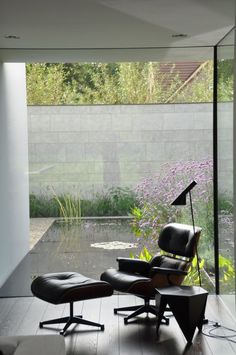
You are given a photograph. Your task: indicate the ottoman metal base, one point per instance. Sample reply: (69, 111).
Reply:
(71, 319)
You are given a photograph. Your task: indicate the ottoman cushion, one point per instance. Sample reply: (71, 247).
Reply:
(63, 287)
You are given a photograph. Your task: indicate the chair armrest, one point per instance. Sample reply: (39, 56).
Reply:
(166, 271)
(134, 266)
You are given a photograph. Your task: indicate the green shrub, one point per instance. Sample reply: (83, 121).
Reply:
(225, 205)
(117, 201)
(43, 206)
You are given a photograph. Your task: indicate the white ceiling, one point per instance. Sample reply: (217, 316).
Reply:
(106, 30)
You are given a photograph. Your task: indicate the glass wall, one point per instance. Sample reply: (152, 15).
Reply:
(137, 137)
(225, 93)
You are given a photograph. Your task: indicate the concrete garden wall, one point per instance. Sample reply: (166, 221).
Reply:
(87, 148)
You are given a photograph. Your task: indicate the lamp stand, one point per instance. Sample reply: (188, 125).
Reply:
(198, 267)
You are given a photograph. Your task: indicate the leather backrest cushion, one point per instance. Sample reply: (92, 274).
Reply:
(179, 239)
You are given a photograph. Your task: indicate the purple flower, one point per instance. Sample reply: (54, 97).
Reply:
(156, 193)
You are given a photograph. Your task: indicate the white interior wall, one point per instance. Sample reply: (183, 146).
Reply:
(14, 204)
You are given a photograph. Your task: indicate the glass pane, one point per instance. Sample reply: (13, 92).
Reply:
(225, 168)
(100, 134)
(136, 129)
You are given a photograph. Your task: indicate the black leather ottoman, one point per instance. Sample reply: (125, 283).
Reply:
(69, 287)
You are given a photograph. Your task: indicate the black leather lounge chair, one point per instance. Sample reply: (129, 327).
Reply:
(178, 245)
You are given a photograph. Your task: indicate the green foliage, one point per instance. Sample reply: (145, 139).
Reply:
(227, 271)
(225, 80)
(227, 275)
(225, 204)
(93, 82)
(137, 213)
(225, 69)
(69, 206)
(193, 277)
(100, 83)
(203, 212)
(113, 202)
(200, 89)
(141, 83)
(123, 83)
(116, 201)
(46, 85)
(103, 85)
(43, 206)
(145, 254)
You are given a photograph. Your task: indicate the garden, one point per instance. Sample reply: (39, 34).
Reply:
(148, 207)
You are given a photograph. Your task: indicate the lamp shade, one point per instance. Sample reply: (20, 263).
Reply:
(181, 199)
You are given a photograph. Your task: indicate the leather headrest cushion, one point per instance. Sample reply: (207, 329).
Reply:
(179, 239)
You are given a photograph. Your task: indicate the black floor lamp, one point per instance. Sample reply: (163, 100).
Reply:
(181, 200)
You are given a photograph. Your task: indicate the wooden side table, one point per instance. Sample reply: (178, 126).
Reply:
(187, 304)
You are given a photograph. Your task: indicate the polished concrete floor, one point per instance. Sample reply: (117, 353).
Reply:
(21, 316)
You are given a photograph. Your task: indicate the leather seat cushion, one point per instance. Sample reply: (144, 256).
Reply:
(129, 283)
(66, 287)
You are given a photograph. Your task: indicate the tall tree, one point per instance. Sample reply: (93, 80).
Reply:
(46, 85)
(123, 83)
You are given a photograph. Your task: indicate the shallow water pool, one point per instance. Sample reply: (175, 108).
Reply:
(89, 247)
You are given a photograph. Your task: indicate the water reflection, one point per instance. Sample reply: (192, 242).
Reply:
(70, 247)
